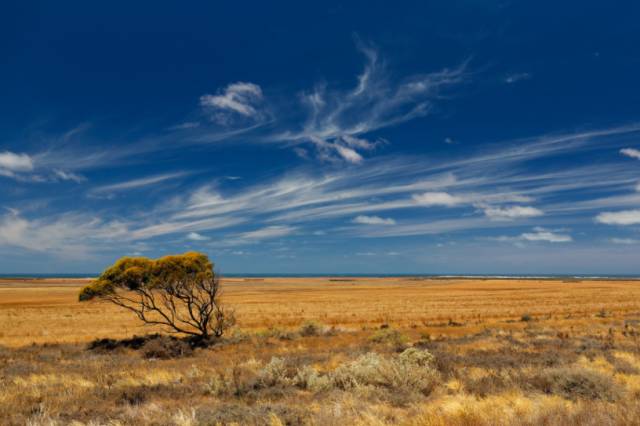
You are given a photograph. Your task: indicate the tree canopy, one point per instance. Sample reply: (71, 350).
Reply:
(178, 291)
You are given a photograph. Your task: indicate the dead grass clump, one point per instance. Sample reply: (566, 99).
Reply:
(156, 346)
(165, 347)
(259, 414)
(578, 383)
(278, 333)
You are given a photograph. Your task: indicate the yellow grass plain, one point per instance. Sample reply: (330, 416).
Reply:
(379, 351)
(47, 310)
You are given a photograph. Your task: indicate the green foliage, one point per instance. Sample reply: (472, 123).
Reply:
(391, 337)
(180, 292)
(133, 273)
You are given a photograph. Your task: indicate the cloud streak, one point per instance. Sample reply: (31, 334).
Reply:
(373, 220)
(237, 99)
(631, 153)
(625, 217)
(338, 121)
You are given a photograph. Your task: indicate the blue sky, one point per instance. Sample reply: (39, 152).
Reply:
(338, 137)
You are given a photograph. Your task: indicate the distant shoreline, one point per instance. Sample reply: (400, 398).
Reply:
(409, 276)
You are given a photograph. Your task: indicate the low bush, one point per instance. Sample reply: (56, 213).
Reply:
(391, 337)
(311, 328)
(412, 370)
(165, 347)
(575, 383)
(308, 378)
(273, 374)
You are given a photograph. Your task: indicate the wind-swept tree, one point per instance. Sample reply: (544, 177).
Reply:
(181, 292)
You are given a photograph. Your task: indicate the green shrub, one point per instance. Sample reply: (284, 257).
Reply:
(391, 337)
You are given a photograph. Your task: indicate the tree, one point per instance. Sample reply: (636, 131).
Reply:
(181, 292)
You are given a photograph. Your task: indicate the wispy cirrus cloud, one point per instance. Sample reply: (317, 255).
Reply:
(22, 168)
(624, 217)
(237, 99)
(516, 77)
(542, 234)
(72, 235)
(512, 212)
(624, 241)
(136, 183)
(12, 163)
(194, 236)
(338, 122)
(494, 179)
(373, 220)
(538, 234)
(631, 152)
(437, 199)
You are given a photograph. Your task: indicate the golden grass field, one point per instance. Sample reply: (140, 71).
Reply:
(333, 351)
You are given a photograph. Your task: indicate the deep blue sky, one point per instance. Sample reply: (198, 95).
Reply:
(423, 137)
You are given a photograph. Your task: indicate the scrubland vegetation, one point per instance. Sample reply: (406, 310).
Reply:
(321, 352)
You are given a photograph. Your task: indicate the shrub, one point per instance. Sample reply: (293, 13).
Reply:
(391, 337)
(308, 378)
(412, 370)
(575, 383)
(311, 328)
(164, 347)
(278, 333)
(273, 374)
(217, 386)
(526, 318)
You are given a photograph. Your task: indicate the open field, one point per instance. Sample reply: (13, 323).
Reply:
(333, 351)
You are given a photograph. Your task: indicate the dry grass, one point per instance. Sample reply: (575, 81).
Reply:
(317, 351)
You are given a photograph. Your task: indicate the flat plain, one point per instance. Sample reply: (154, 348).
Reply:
(332, 351)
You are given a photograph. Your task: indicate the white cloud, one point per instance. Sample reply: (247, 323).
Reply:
(514, 78)
(268, 232)
(624, 217)
(631, 152)
(69, 176)
(337, 121)
(541, 234)
(15, 162)
(194, 236)
(437, 199)
(12, 163)
(624, 241)
(64, 235)
(373, 220)
(136, 183)
(238, 98)
(349, 154)
(513, 212)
